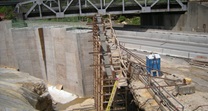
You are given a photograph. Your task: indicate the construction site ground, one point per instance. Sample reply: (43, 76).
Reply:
(179, 67)
(173, 65)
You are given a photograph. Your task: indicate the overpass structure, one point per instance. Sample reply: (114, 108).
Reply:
(38, 9)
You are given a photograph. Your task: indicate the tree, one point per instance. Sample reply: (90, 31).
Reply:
(7, 11)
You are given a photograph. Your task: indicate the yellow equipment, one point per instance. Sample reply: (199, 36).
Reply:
(112, 96)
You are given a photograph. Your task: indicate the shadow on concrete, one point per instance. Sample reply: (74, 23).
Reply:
(163, 21)
(131, 28)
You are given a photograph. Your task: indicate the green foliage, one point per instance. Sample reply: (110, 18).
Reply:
(67, 19)
(131, 20)
(17, 23)
(135, 21)
(121, 18)
(89, 20)
(8, 11)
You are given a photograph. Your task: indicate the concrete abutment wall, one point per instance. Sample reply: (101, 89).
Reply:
(28, 51)
(53, 54)
(7, 53)
(195, 19)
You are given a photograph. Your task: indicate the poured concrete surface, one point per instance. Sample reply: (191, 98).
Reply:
(193, 19)
(68, 59)
(7, 52)
(51, 53)
(28, 51)
(55, 55)
(86, 60)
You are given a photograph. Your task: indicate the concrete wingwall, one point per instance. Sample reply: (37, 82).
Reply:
(7, 53)
(28, 51)
(84, 47)
(68, 60)
(50, 53)
(197, 16)
(195, 19)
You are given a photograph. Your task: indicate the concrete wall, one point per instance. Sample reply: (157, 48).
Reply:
(196, 17)
(192, 20)
(21, 49)
(7, 52)
(86, 59)
(50, 53)
(74, 70)
(68, 60)
(28, 51)
(54, 39)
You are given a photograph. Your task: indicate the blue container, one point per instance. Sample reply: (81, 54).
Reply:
(153, 64)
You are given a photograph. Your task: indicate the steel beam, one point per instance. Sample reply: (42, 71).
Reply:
(29, 11)
(68, 4)
(139, 7)
(49, 8)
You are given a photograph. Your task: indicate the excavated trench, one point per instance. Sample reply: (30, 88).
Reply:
(132, 105)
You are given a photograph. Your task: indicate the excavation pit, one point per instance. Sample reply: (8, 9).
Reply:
(60, 55)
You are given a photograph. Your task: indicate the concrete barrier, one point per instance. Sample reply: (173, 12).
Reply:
(164, 51)
(188, 45)
(167, 35)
